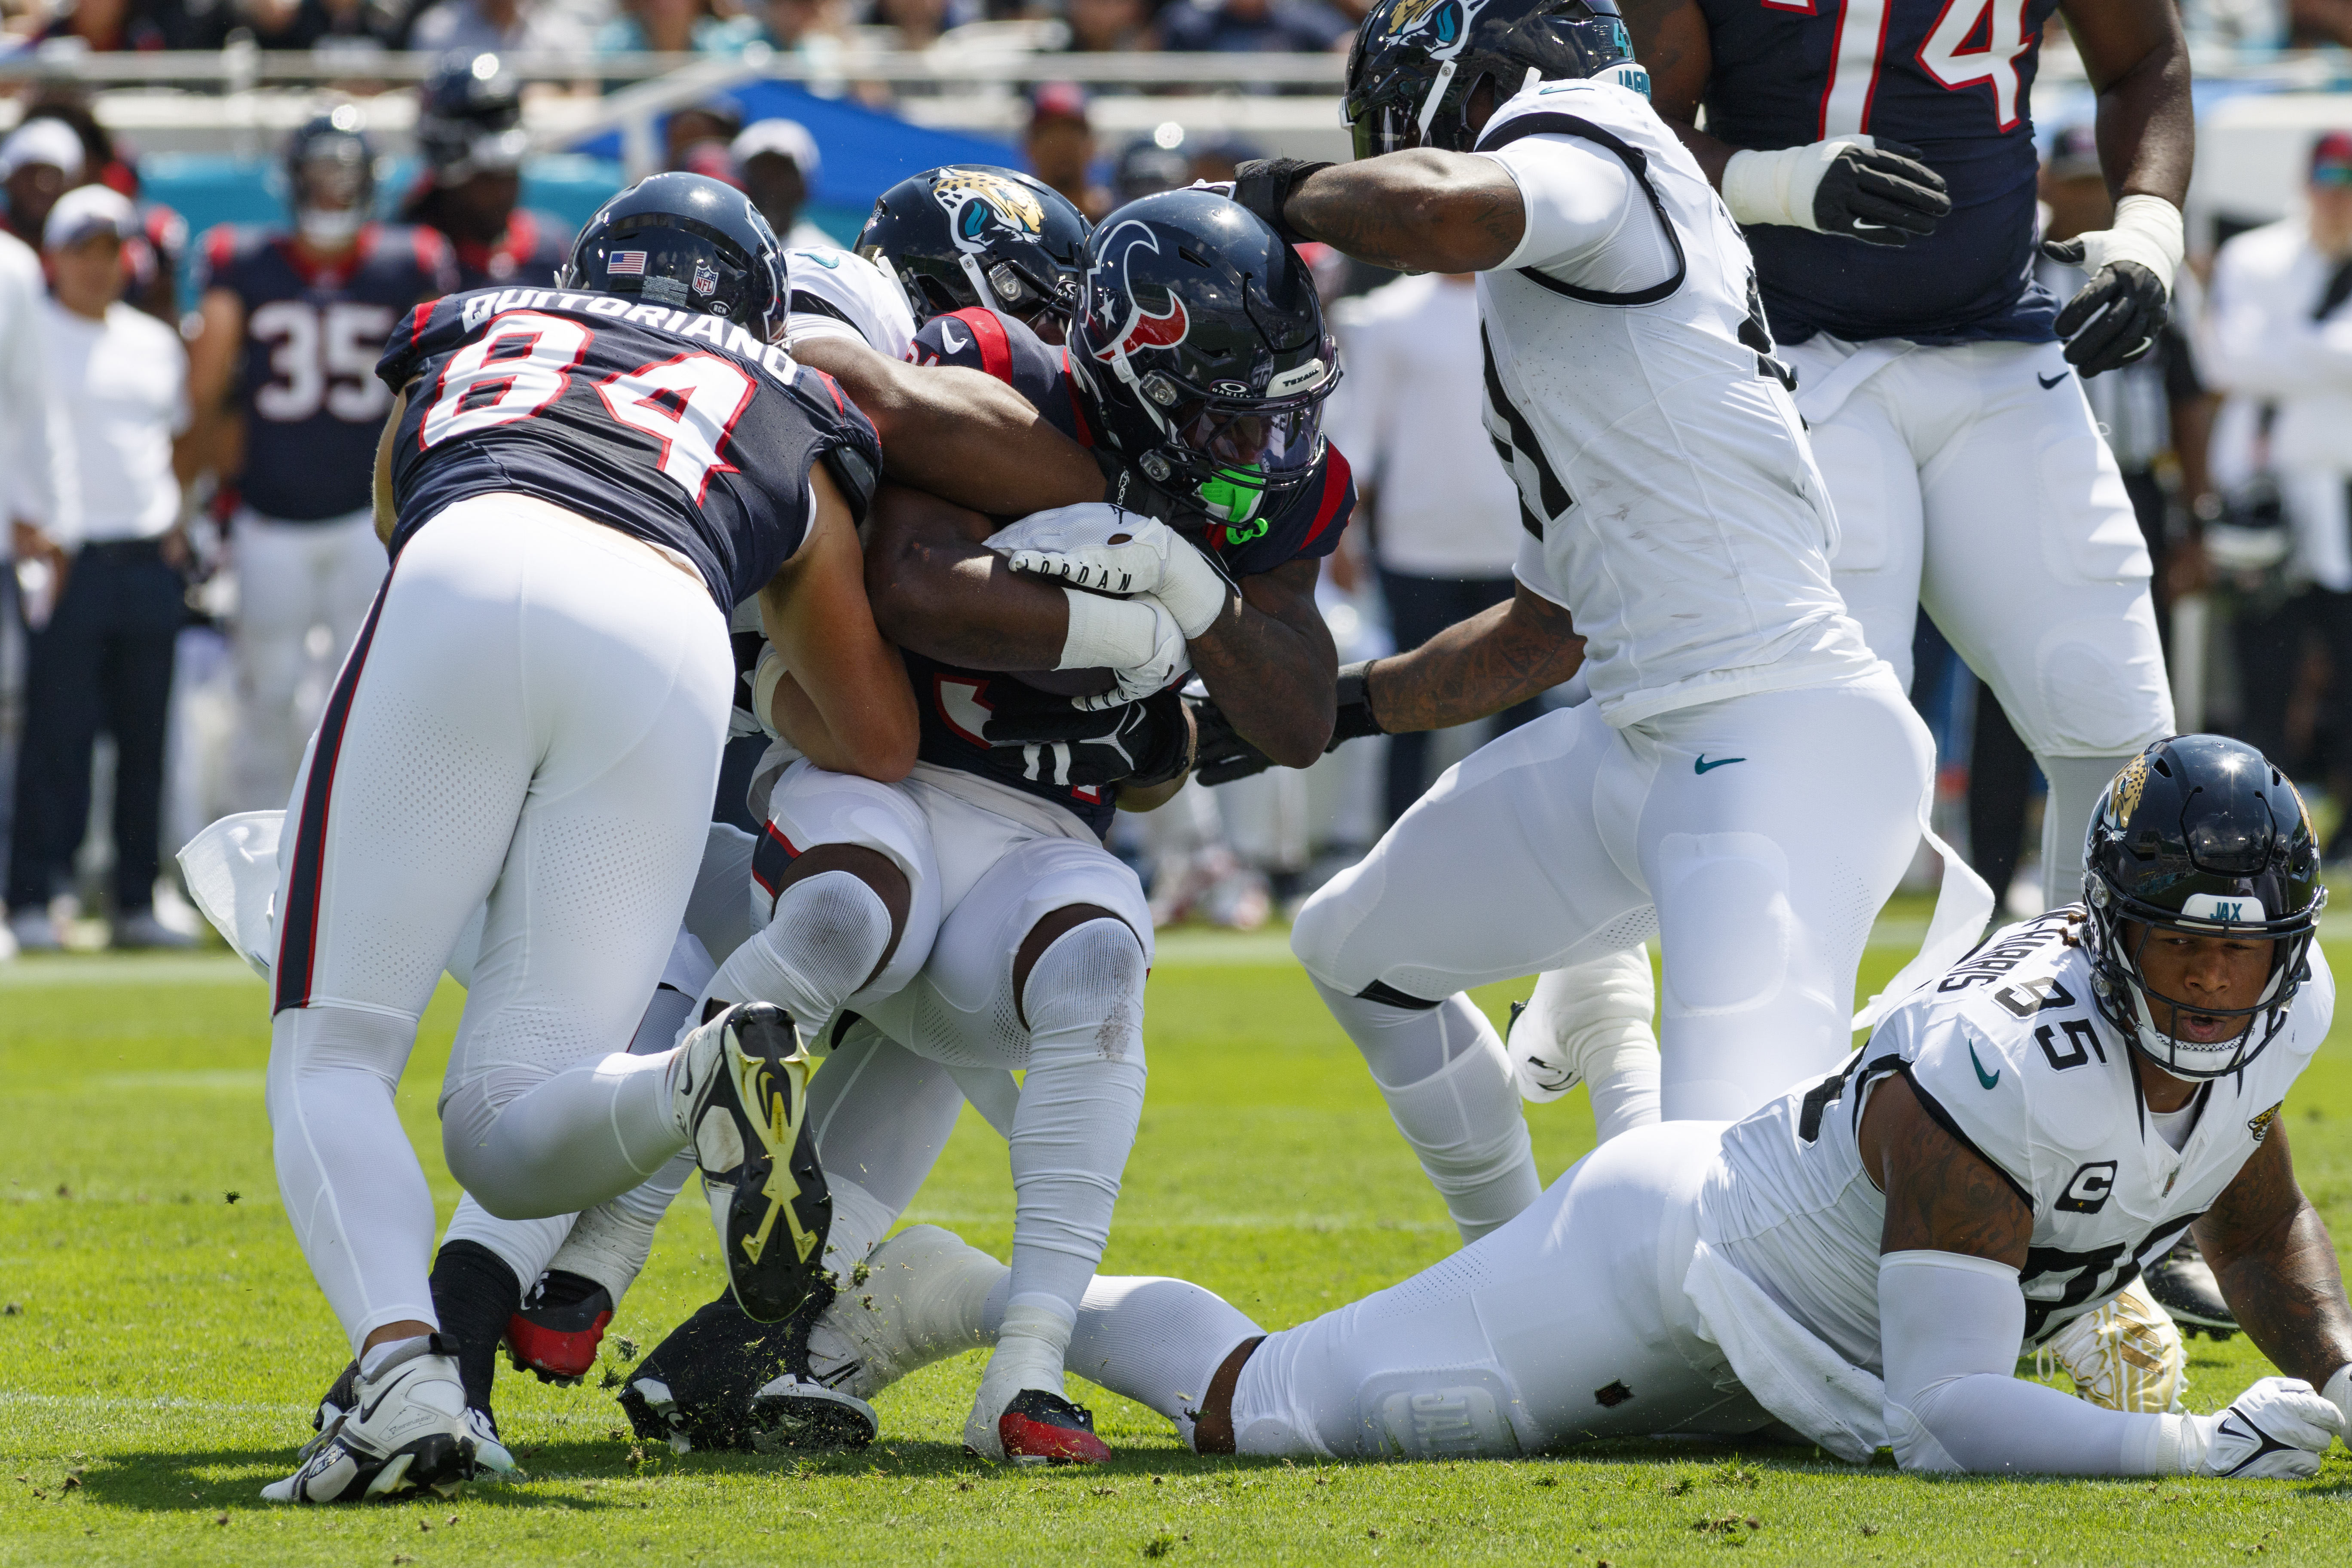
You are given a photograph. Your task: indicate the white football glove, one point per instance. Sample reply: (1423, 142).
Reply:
(2276, 1430)
(2126, 1355)
(1113, 551)
(1139, 679)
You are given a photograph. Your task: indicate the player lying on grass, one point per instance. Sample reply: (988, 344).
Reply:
(1863, 1259)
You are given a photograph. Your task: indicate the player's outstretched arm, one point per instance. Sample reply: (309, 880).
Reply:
(958, 433)
(1419, 211)
(1951, 1321)
(1473, 669)
(858, 712)
(2278, 1268)
(1863, 187)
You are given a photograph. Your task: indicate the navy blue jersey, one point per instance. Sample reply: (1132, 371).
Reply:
(955, 701)
(312, 411)
(527, 253)
(1951, 79)
(672, 427)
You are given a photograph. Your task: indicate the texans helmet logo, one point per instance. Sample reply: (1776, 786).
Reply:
(1111, 300)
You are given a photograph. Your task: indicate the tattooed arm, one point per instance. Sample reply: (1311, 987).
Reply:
(1422, 211)
(1497, 659)
(2278, 1268)
(1269, 662)
(1941, 1196)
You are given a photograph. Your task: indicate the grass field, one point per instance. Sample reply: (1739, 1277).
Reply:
(161, 1340)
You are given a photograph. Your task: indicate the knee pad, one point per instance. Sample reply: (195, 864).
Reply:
(1087, 983)
(2099, 687)
(827, 934)
(1324, 923)
(1459, 1414)
(1723, 911)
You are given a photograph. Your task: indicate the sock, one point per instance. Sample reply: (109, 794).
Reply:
(828, 934)
(610, 1243)
(925, 1295)
(474, 1293)
(2075, 783)
(860, 1220)
(1157, 1341)
(379, 1357)
(1080, 1100)
(1597, 1016)
(1032, 1343)
(1447, 1080)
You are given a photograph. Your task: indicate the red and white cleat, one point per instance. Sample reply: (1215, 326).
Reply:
(556, 1332)
(1042, 1429)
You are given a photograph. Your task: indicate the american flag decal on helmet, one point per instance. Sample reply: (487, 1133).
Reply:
(625, 264)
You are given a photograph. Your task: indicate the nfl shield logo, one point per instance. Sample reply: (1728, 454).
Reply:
(705, 277)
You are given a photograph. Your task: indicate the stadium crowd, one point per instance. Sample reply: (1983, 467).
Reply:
(184, 576)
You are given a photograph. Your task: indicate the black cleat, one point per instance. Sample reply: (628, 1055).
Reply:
(747, 1083)
(2182, 1283)
(798, 1409)
(694, 1390)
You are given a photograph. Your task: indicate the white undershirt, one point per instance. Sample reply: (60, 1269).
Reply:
(2175, 1126)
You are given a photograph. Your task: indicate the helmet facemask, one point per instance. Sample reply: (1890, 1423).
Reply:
(2121, 929)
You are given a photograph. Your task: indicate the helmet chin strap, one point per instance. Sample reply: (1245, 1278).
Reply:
(979, 282)
(1429, 104)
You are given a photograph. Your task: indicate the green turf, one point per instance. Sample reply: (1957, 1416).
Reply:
(161, 1337)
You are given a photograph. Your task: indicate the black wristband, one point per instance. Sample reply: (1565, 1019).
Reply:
(1355, 719)
(1264, 185)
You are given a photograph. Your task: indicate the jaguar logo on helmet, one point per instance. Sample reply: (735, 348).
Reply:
(973, 196)
(2128, 787)
(1112, 304)
(1444, 18)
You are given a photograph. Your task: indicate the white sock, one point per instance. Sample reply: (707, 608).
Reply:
(1032, 1343)
(525, 1246)
(380, 1356)
(925, 1296)
(860, 1220)
(1157, 1341)
(828, 934)
(1459, 1112)
(1081, 1101)
(2075, 783)
(1597, 1015)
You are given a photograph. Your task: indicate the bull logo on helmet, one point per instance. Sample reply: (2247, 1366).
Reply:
(1112, 305)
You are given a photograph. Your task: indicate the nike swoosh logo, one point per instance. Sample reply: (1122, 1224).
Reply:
(1704, 766)
(2048, 381)
(367, 1413)
(1988, 1079)
(954, 345)
(1858, 223)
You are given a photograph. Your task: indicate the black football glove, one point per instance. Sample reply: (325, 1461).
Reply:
(1264, 185)
(1225, 754)
(1145, 742)
(1880, 196)
(2114, 318)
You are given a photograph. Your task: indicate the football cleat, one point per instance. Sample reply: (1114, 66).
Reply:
(746, 1086)
(802, 1409)
(1042, 1429)
(555, 1332)
(490, 1452)
(2182, 1283)
(694, 1390)
(1541, 1077)
(405, 1430)
(2125, 1354)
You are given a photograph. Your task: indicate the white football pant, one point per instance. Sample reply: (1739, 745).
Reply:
(1756, 838)
(1971, 480)
(534, 716)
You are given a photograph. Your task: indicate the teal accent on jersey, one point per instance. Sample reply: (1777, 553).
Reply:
(1704, 766)
(1988, 1079)
(830, 263)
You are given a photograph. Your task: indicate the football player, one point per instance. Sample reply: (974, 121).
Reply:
(973, 235)
(469, 130)
(1748, 783)
(997, 932)
(1880, 158)
(577, 485)
(291, 324)
(548, 1288)
(1863, 1259)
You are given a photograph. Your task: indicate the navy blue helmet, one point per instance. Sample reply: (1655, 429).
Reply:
(973, 233)
(1416, 64)
(688, 242)
(469, 117)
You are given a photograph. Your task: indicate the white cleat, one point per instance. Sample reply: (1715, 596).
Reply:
(405, 1430)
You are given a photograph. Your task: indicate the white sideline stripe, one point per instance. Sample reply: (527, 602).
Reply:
(1313, 1222)
(102, 1404)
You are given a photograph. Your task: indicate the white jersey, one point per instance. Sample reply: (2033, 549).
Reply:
(839, 293)
(1667, 485)
(2008, 1053)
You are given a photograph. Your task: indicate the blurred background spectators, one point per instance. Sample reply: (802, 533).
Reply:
(494, 127)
